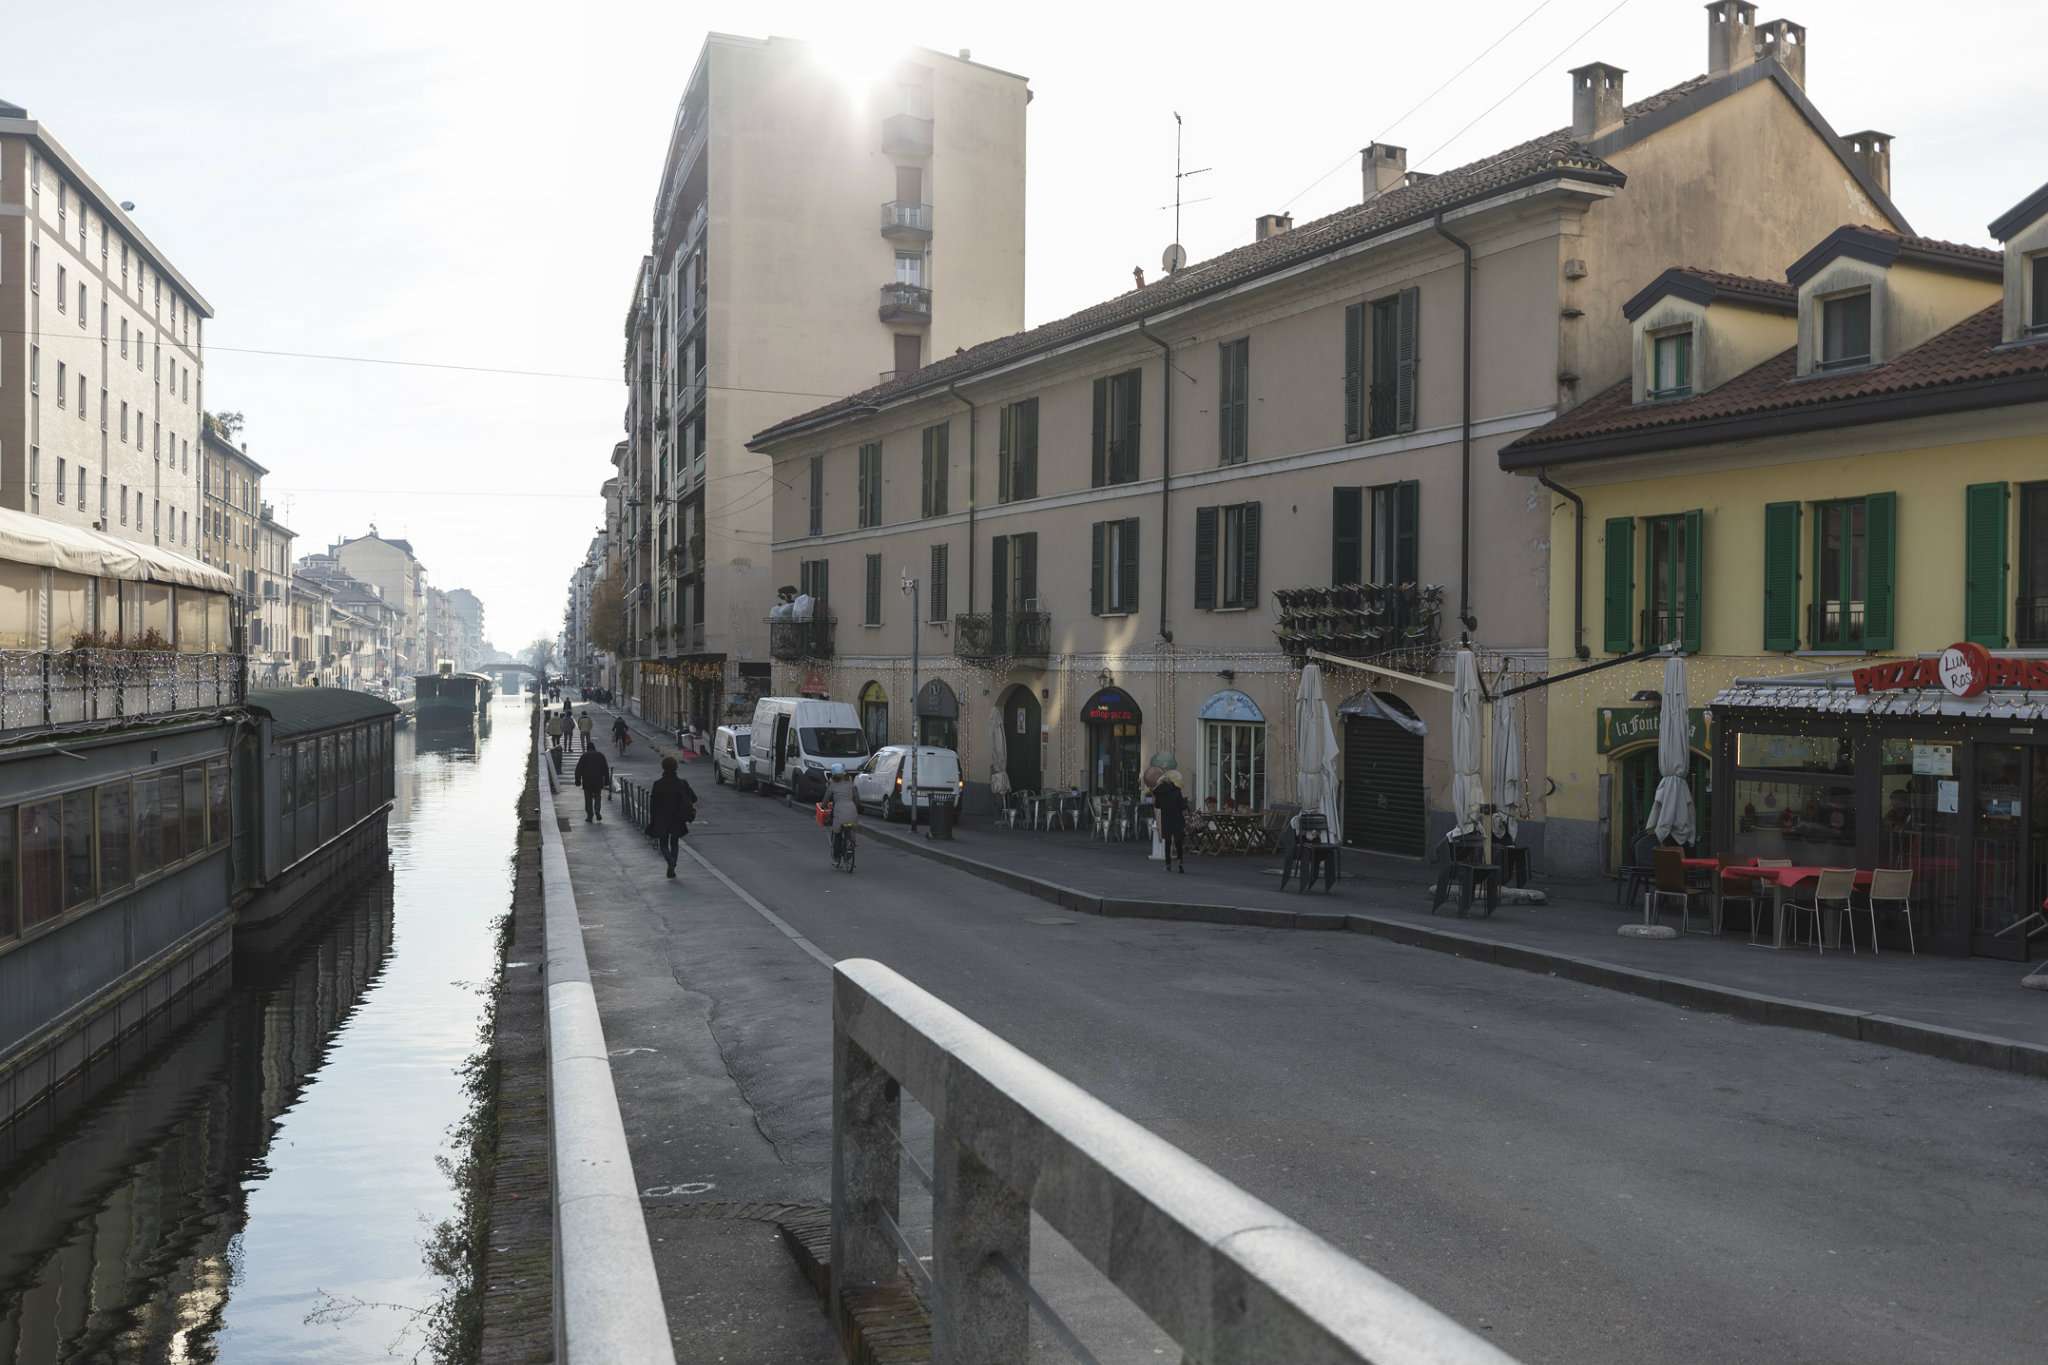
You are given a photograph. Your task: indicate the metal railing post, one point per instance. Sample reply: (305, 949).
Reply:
(979, 1313)
(866, 1116)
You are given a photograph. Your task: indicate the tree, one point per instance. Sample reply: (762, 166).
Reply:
(226, 425)
(608, 616)
(541, 654)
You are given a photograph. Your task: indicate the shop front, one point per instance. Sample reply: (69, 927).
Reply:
(1626, 740)
(1938, 766)
(938, 715)
(1114, 723)
(874, 715)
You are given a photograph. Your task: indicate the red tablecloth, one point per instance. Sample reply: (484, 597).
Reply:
(1787, 877)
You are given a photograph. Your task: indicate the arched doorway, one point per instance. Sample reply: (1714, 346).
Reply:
(1115, 758)
(938, 715)
(874, 715)
(1022, 721)
(1233, 753)
(1636, 776)
(1385, 810)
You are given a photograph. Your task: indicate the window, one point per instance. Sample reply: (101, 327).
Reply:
(1233, 764)
(81, 306)
(909, 352)
(1673, 579)
(10, 910)
(61, 384)
(1233, 396)
(910, 268)
(42, 854)
(813, 577)
(60, 479)
(1986, 509)
(1017, 451)
(871, 484)
(1854, 554)
(124, 421)
(937, 456)
(1113, 569)
(1845, 331)
(1671, 364)
(2032, 625)
(81, 398)
(116, 858)
(1381, 352)
(62, 277)
(1396, 516)
(935, 587)
(871, 600)
(817, 495)
(1116, 428)
(81, 488)
(35, 268)
(1227, 556)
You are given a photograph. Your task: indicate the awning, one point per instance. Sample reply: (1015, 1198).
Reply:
(1368, 705)
(1230, 704)
(1905, 704)
(29, 539)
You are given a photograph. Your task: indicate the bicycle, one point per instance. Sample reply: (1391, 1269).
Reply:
(843, 845)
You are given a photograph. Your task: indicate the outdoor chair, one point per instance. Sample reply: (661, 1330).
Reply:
(1833, 889)
(1757, 897)
(1635, 874)
(1667, 880)
(1890, 889)
(1310, 851)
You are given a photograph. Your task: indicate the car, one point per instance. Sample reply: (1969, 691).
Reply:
(883, 783)
(731, 748)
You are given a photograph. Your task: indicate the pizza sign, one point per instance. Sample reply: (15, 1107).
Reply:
(1963, 670)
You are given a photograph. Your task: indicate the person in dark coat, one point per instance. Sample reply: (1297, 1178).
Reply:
(671, 806)
(594, 775)
(1172, 805)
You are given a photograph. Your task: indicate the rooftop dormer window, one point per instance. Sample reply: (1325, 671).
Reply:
(1671, 364)
(2037, 294)
(1845, 331)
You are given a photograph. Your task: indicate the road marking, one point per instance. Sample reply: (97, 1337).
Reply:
(788, 930)
(666, 1191)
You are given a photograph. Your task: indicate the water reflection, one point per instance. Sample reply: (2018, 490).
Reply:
(277, 1144)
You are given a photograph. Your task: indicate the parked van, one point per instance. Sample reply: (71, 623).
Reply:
(730, 754)
(883, 783)
(796, 740)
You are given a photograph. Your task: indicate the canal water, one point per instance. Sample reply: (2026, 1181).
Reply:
(257, 1183)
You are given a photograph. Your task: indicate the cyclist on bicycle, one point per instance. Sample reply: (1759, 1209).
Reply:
(844, 814)
(621, 736)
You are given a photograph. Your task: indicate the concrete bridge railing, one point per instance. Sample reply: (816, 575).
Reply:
(1229, 1278)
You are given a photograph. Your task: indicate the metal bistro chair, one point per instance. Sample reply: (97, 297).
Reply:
(1835, 887)
(1635, 875)
(1891, 888)
(1757, 898)
(1667, 879)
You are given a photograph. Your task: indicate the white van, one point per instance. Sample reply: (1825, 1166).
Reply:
(731, 754)
(883, 785)
(797, 740)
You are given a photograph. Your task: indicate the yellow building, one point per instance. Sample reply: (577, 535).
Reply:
(1800, 480)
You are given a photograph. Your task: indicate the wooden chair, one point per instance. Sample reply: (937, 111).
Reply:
(1667, 880)
(1891, 888)
(1834, 888)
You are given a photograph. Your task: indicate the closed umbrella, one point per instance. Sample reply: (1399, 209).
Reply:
(1507, 761)
(1315, 750)
(998, 756)
(1671, 813)
(1467, 794)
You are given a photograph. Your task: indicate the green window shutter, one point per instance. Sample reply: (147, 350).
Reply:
(1024, 483)
(1127, 558)
(1984, 566)
(1621, 584)
(1695, 578)
(1781, 576)
(1407, 527)
(1251, 554)
(1004, 428)
(1408, 355)
(1099, 470)
(1099, 530)
(1226, 422)
(1027, 571)
(943, 458)
(1354, 378)
(936, 608)
(1134, 388)
(999, 575)
(1880, 594)
(1205, 558)
(1347, 535)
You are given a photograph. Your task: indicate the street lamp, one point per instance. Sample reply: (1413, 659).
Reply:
(910, 590)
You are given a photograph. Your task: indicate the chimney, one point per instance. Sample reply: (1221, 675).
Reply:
(1596, 99)
(1271, 225)
(1383, 165)
(1785, 40)
(1731, 36)
(1873, 152)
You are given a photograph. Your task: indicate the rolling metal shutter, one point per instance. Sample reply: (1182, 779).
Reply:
(1383, 798)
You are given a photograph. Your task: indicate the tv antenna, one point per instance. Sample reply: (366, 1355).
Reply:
(1176, 255)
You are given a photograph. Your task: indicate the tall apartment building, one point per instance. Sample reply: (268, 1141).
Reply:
(100, 342)
(270, 623)
(466, 617)
(810, 233)
(231, 505)
(388, 564)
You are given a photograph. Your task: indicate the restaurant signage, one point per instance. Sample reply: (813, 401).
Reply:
(1111, 706)
(1624, 727)
(1963, 670)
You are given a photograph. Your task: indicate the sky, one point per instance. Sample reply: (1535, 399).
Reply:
(433, 184)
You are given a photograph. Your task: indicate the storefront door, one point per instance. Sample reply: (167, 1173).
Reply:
(1115, 762)
(2009, 847)
(1384, 807)
(1021, 726)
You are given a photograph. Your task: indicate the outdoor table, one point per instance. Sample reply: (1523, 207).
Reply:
(1781, 879)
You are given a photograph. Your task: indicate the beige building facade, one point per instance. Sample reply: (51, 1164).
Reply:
(389, 566)
(1130, 526)
(100, 344)
(269, 623)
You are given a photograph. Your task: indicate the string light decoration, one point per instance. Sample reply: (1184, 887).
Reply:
(1374, 622)
(40, 689)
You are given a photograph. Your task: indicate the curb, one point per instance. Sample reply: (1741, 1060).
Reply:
(1905, 1035)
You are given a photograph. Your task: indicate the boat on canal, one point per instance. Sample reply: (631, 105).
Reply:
(445, 699)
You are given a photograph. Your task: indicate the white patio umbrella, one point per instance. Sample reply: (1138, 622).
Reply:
(1507, 760)
(1315, 750)
(1467, 793)
(1671, 813)
(998, 755)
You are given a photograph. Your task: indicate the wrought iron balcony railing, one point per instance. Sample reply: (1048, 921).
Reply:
(1002, 635)
(906, 303)
(904, 220)
(46, 688)
(812, 639)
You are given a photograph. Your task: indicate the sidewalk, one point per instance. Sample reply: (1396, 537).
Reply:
(1964, 1009)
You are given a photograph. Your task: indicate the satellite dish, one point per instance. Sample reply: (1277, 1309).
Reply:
(1173, 258)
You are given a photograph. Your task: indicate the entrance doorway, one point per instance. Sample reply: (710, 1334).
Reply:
(1636, 779)
(1384, 807)
(1115, 760)
(874, 715)
(1021, 725)
(938, 716)
(2009, 847)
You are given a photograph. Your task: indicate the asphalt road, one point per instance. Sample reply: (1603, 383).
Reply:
(1581, 1175)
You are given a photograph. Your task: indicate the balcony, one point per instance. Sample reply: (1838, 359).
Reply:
(907, 135)
(1002, 635)
(797, 640)
(1397, 625)
(906, 303)
(695, 391)
(907, 222)
(690, 638)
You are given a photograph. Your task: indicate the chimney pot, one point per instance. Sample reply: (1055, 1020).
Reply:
(1271, 225)
(1872, 151)
(1786, 41)
(1384, 166)
(1731, 36)
(1596, 99)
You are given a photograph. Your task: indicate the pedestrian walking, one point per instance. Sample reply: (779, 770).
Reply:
(671, 806)
(583, 726)
(594, 775)
(1172, 805)
(553, 726)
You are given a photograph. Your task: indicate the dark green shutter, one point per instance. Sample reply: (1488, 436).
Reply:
(944, 458)
(1407, 527)
(1099, 470)
(1003, 456)
(1225, 389)
(1347, 535)
(1984, 567)
(817, 495)
(1408, 355)
(874, 591)
(1621, 584)
(1127, 557)
(1205, 558)
(1024, 482)
(999, 575)
(1354, 377)
(1250, 555)
(1133, 408)
(1880, 527)
(1099, 530)
(1027, 572)
(1781, 576)
(1695, 564)
(936, 608)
